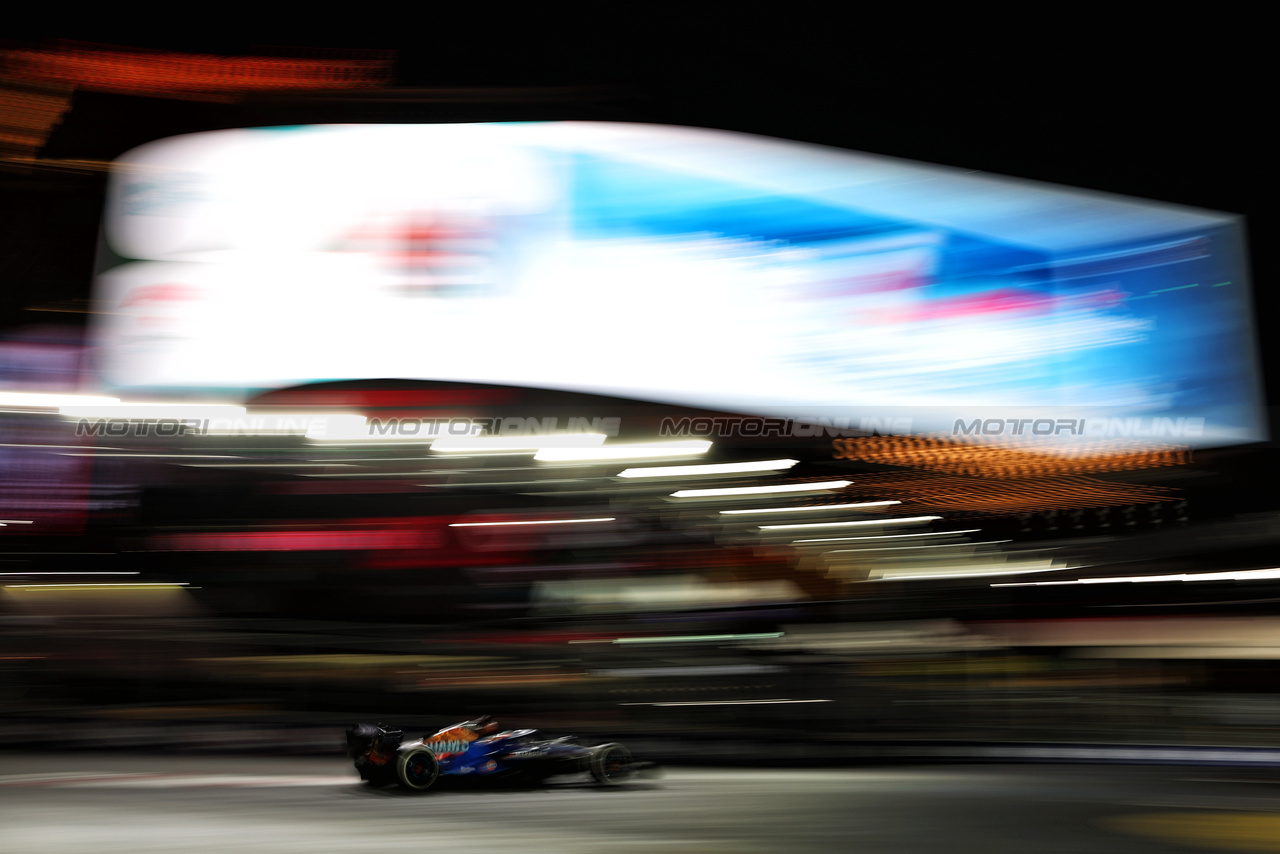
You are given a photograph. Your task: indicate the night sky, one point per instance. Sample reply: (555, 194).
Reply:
(1172, 109)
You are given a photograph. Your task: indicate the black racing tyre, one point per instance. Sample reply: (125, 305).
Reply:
(417, 769)
(610, 764)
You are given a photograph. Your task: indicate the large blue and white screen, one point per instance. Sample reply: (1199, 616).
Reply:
(678, 265)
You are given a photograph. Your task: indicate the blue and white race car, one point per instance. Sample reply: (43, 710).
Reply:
(478, 749)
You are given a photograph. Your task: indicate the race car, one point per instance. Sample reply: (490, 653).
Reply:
(477, 749)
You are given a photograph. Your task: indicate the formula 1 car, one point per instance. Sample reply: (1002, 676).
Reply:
(476, 749)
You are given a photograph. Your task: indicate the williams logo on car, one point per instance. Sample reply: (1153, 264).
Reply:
(450, 741)
(450, 746)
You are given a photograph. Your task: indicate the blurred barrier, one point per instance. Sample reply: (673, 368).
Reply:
(804, 693)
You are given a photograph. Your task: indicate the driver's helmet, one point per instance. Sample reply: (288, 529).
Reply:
(483, 726)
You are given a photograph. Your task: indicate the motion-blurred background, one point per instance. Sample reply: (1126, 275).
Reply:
(701, 399)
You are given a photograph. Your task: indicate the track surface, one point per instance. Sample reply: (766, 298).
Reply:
(119, 803)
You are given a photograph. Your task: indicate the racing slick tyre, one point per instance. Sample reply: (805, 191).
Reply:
(610, 764)
(417, 769)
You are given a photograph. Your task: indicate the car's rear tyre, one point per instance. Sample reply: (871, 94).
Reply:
(417, 769)
(610, 764)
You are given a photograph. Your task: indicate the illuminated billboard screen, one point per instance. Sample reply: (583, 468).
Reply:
(695, 267)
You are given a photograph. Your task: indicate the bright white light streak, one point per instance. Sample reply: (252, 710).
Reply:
(370, 473)
(28, 445)
(531, 522)
(344, 428)
(888, 536)
(337, 424)
(272, 465)
(370, 460)
(914, 548)
(474, 483)
(99, 585)
(761, 490)
(713, 468)
(159, 456)
(311, 424)
(899, 520)
(152, 411)
(983, 574)
(38, 400)
(531, 444)
(469, 455)
(366, 441)
(17, 522)
(811, 508)
(724, 702)
(623, 452)
(1241, 575)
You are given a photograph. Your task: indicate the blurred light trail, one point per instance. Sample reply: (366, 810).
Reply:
(369, 459)
(267, 465)
(365, 440)
(531, 444)
(812, 507)
(104, 585)
(367, 473)
(480, 454)
(622, 452)
(37, 400)
(29, 445)
(761, 490)
(195, 76)
(138, 411)
(900, 520)
(156, 456)
(913, 548)
(312, 425)
(472, 484)
(985, 573)
(358, 539)
(1242, 575)
(694, 670)
(531, 522)
(714, 468)
(889, 536)
(700, 638)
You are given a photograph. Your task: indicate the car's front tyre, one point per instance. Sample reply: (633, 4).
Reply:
(610, 764)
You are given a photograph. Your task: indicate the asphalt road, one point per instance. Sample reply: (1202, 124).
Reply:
(122, 803)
